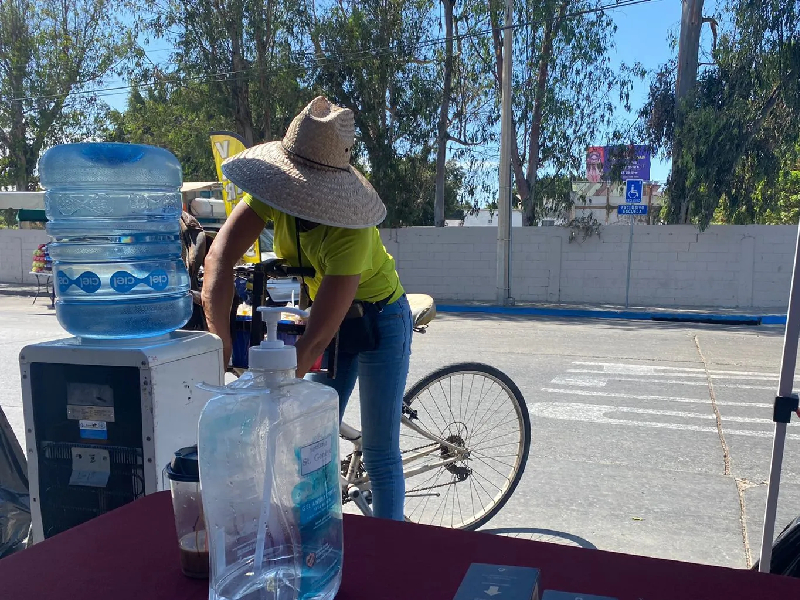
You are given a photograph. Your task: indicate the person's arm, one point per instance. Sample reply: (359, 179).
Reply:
(234, 238)
(333, 299)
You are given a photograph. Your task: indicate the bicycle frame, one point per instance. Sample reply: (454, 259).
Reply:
(355, 485)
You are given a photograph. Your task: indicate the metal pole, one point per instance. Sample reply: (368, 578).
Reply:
(630, 250)
(785, 383)
(504, 200)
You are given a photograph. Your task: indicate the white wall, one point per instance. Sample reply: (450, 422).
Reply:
(726, 266)
(16, 253)
(674, 265)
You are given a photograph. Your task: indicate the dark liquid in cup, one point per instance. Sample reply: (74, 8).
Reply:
(194, 555)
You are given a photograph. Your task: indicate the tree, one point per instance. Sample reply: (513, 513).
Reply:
(241, 50)
(734, 138)
(51, 53)
(376, 59)
(176, 118)
(442, 133)
(564, 89)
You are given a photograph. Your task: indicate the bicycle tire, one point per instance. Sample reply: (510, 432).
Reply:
(522, 413)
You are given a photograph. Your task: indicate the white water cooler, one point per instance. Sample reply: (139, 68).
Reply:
(103, 418)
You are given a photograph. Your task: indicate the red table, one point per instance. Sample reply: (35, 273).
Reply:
(132, 554)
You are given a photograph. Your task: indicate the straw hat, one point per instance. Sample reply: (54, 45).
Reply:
(308, 174)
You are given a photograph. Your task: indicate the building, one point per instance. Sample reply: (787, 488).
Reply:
(485, 217)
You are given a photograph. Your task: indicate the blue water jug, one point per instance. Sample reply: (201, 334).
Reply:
(114, 217)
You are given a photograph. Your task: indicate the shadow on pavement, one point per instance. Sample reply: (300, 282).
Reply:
(542, 535)
(618, 324)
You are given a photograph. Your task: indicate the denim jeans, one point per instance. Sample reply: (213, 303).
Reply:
(382, 375)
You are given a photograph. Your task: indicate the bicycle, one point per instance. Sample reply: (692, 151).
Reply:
(453, 452)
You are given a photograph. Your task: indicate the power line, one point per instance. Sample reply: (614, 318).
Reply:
(313, 59)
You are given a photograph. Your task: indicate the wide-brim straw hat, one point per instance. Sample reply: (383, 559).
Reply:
(308, 174)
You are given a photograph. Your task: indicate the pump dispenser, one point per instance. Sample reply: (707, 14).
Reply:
(269, 469)
(272, 354)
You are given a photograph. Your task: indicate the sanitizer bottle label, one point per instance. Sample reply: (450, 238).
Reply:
(317, 506)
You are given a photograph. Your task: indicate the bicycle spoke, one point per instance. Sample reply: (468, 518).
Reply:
(444, 505)
(475, 420)
(491, 467)
(516, 433)
(449, 404)
(477, 444)
(435, 477)
(487, 423)
(437, 406)
(460, 513)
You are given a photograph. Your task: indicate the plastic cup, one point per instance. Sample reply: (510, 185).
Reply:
(184, 479)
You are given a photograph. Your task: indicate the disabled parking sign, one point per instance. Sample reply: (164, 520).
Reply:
(633, 191)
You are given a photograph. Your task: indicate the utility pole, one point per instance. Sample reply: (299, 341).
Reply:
(504, 199)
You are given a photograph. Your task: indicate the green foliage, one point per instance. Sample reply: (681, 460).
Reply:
(374, 58)
(176, 118)
(243, 52)
(734, 139)
(51, 53)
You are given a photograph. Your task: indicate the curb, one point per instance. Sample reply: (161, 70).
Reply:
(630, 315)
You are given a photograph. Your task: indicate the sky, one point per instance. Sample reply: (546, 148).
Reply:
(643, 35)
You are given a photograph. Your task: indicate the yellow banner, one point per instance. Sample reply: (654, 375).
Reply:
(225, 144)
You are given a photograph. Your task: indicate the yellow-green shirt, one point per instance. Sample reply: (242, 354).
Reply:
(335, 251)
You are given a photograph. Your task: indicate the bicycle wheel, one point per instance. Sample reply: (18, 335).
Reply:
(477, 408)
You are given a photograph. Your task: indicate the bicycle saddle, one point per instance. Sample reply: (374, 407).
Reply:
(423, 309)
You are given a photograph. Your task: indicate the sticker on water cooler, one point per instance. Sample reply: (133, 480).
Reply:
(123, 282)
(90, 467)
(93, 430)
(87, 281)
(90, 402)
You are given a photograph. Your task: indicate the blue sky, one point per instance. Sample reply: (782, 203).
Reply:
(643, 34)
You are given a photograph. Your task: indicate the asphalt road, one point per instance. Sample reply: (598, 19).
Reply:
(650, 439)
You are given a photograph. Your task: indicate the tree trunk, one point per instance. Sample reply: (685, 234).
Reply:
(264, 41)
(444, 115)
(550, 31)
(240, 92)
(688, 52)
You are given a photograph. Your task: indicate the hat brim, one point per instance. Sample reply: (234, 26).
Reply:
(328, 196)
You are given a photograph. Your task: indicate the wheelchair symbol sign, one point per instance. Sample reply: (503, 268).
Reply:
(633, 190)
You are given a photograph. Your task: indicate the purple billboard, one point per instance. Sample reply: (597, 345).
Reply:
(634, 162)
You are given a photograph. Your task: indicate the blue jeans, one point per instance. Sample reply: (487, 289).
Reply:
(382, 375)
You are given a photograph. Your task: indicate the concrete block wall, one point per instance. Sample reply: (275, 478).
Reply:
(16, 253)
(725, 266)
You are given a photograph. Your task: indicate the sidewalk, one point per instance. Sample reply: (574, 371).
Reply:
(18, 289)
(685, 314)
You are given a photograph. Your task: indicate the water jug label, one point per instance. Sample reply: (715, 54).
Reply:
(318, 511)
(87, 281)
(123, 282)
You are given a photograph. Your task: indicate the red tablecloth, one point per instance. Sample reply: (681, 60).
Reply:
(132, 554)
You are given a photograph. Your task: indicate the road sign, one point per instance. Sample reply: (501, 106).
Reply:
(634, 190)
(632, 209)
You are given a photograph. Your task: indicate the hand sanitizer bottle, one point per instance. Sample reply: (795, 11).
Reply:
(269, 471)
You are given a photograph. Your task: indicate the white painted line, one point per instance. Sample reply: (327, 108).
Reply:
(722, 384)
(623, 370)
(654, 369)
(596, 414)
(582, 381)
(705, 401)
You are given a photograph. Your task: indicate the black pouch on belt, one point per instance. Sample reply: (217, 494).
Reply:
(359, 329)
